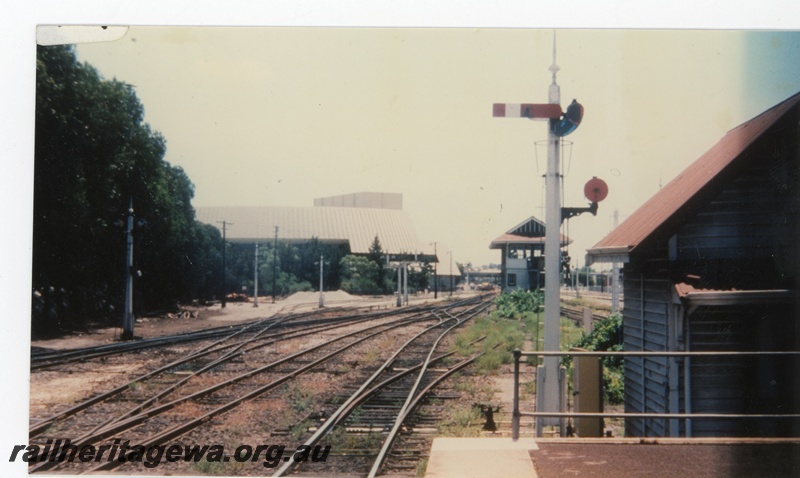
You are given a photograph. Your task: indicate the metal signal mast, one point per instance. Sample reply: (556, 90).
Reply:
(550, 381)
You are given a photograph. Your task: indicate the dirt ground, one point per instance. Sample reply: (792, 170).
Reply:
(197, 318)
(53, 390)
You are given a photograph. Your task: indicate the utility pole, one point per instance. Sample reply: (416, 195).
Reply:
(127, 318)
(615, 275)
(405, 282)
(399, 284)
(224, 272)
(451, 273)
(321, 299)
(255, 278)
(274, 263)
(435, 275)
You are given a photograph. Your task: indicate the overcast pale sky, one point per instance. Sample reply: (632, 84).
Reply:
(278, 116)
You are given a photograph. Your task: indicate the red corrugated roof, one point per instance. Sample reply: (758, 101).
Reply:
(672, 197)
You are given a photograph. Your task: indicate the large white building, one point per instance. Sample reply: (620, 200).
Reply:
(352, 220)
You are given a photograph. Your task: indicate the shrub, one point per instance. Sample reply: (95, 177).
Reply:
(516, 303)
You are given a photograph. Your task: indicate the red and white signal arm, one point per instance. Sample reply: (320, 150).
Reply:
(595, 190)
(526, 110)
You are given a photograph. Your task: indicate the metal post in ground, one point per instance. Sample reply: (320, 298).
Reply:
(399, 284)
(515, 413)
(321, 298)
(274, 263)
(127, 319)
(255, 278)
(548, 396)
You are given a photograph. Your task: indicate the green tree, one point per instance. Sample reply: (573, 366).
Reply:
(418, 280)
(93, 155)
(376, 256)
(358, 275)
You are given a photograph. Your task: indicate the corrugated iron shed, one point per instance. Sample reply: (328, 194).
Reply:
(666, 203)
(356, 226)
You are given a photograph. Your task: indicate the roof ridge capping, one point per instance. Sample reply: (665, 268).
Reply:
(666, 202)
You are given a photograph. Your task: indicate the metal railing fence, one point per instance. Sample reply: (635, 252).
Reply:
(517, 413)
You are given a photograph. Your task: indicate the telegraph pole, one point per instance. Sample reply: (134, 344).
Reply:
(451, 273)
(224, 272)
(127, 318)
(399, 285)
(321, 299)
(435, 274)
(405, 282)
(255, 278)
(615, 275)
(274, 263)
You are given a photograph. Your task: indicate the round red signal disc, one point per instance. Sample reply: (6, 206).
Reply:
(595, 190)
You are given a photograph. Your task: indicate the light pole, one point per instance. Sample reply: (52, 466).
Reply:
(405, 282)
(321, 266)
(127, 319)
(451, 272)
(225, 225)
(255, 278)
(399, 285)
(274, 263)
(435, 275)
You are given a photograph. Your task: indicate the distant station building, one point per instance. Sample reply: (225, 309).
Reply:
(711, 264)
(486, 277)
(522, 255)
(351, 221)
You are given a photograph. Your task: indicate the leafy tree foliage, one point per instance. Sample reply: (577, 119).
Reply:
(93, 155)
(418, 280)
(376, 255)
(294, 266)
(358, 275)
(514, 304)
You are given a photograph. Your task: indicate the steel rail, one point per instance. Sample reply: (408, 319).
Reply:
(180, 429)
(348, 405)
(377, 388)
(50, 358)
(41, 426)
(47, 359)
(134, 420)
(230, 355)
(191, 357)
(407, 405)
(237, 352)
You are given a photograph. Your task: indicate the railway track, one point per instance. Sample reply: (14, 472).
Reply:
(248, 368)
(376, 412)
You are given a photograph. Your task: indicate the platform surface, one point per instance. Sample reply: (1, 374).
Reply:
(481, 458)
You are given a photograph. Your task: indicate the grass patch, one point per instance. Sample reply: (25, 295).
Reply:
(502, 337)
(422, 467)
(464, 422)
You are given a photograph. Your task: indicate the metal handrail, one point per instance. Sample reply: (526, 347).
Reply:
(519, 353)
